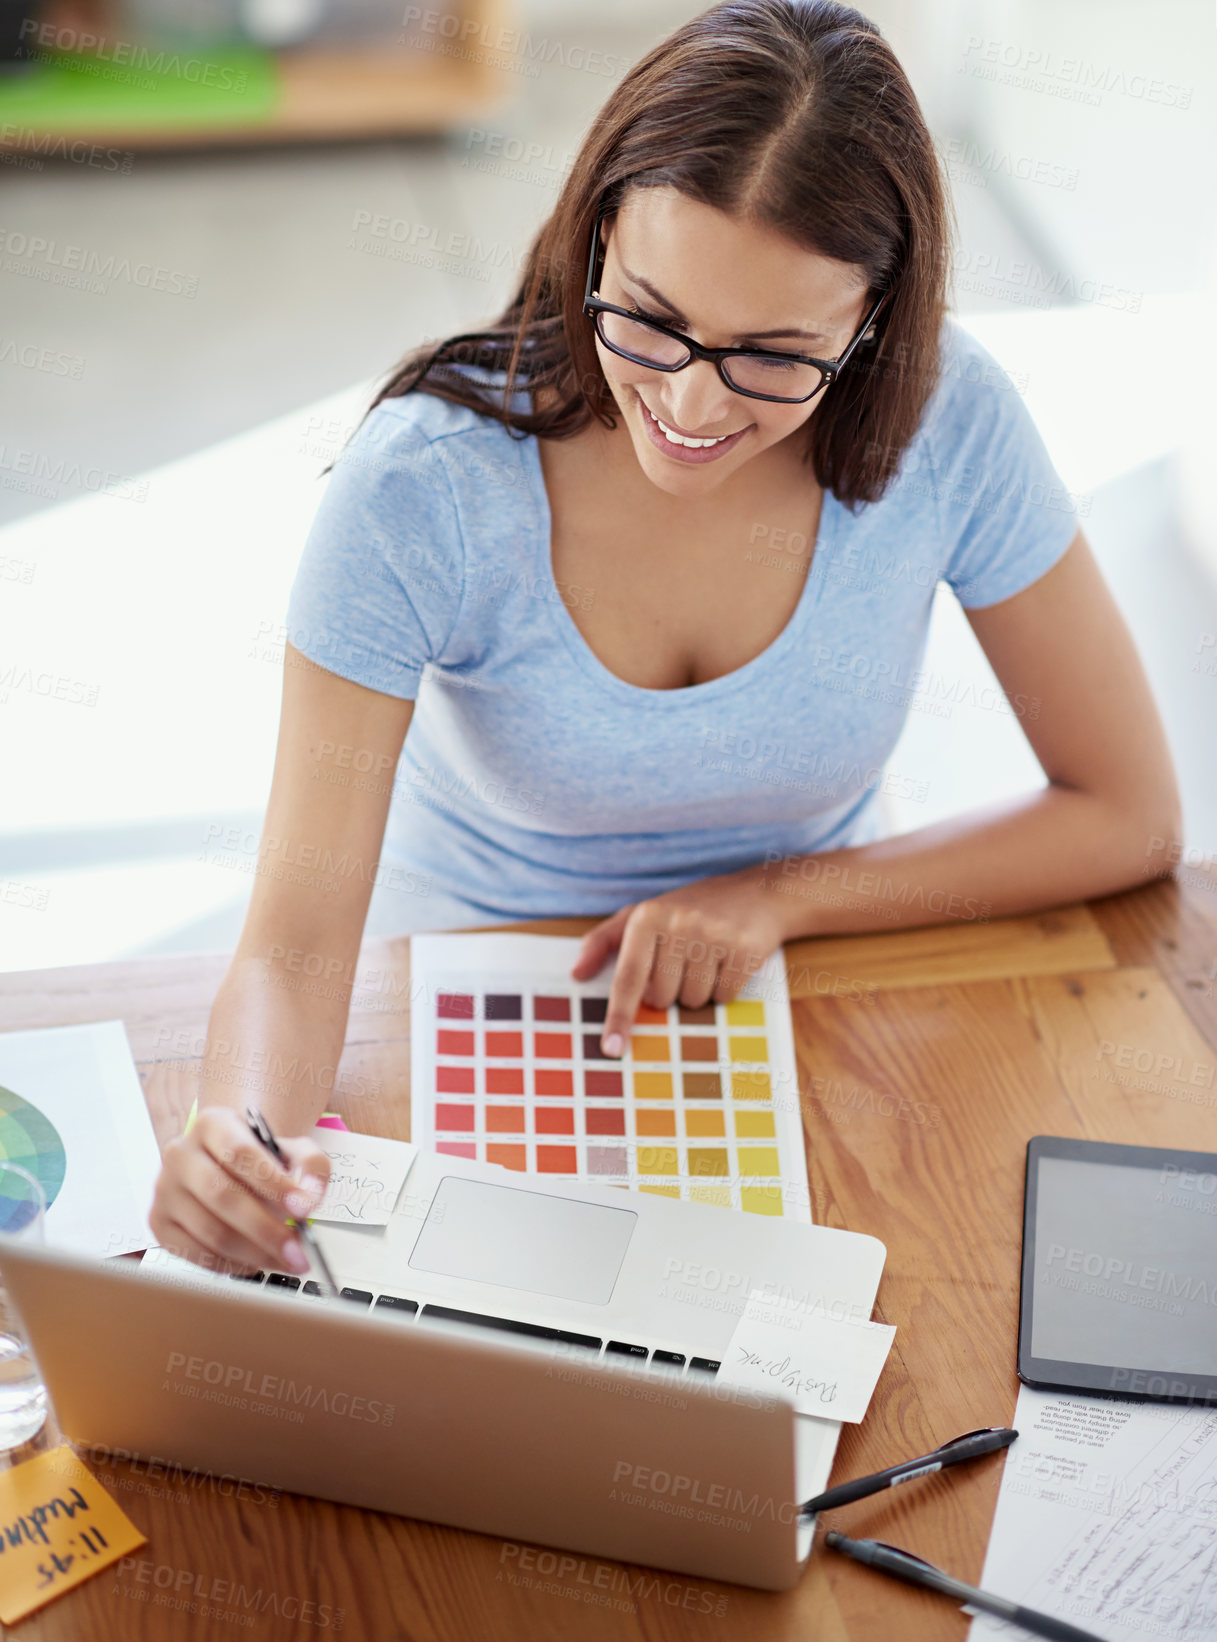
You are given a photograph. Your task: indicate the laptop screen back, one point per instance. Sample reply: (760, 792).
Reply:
(555, 1246)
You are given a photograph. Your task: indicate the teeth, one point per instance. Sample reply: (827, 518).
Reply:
(680, 439)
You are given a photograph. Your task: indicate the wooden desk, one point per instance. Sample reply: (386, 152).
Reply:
(1097, 1020)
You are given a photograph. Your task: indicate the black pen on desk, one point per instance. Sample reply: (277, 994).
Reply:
(261, 1130)
(890, 1559)
(968, 1447)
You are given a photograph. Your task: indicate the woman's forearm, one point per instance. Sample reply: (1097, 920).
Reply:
(1048, 848)
(273, 1045)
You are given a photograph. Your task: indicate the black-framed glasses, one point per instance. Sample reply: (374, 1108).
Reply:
(785, 378)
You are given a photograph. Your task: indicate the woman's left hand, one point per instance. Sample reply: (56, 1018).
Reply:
(694, 945)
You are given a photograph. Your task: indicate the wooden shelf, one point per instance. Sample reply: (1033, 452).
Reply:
(325, 94)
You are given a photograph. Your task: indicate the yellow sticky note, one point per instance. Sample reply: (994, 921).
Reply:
(58, 1527)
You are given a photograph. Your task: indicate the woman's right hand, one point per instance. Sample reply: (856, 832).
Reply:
(222, 1200)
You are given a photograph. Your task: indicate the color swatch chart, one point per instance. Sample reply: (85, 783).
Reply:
(506, 1068)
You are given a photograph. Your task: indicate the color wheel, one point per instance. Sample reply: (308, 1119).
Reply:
(30, 1139)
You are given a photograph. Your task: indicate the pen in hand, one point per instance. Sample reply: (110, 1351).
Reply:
(262, 1132)
(968, 1447)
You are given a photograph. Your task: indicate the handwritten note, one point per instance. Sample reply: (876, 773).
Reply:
(823, 1366)
(1105, 1518)
(366, 1174)
(58, 1527)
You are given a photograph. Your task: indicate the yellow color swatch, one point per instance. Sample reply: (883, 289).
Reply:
(650, 1048)
(720, 1196)
(657, 1160)
(759, 1160)
(59, 1527)
(656, 1120)
(754, 1126)
(748, 1048)
(761, 1199)
(652, 1085)
(700, 1125)
(745, 1012)
(661, 1191)
(709, 1160)
(750, 1086)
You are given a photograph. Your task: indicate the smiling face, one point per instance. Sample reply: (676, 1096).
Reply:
(727, 284)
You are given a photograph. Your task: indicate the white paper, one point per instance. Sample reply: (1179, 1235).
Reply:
(1107, 1518)
(82, 1081)
(366, 1175)
(826, 1366)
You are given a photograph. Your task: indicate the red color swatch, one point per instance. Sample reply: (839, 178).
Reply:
(505, 1120)
(605, 1120)
(454, 1006)
(504, 1080)
(509, 1157)
(557, 1080)
(557, 1120)
(454, 1080)
(454, 1117)
(455, 1043)
(556, 1159)
(553, 1045)
(508, 1044)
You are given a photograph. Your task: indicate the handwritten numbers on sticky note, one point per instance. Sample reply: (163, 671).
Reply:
(58, 1527)
(824, 1366)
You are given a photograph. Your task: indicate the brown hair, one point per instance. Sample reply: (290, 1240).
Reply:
(794, 114)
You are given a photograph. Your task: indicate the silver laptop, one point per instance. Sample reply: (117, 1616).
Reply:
(532, 1359)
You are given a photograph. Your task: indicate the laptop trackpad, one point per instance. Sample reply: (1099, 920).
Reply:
(524, 1240)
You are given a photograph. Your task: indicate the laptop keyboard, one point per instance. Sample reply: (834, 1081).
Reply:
(675, 1362)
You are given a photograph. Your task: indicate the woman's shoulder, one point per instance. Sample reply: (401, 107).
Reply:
(972, 387)
(974, 416)
(419, 437)
(426, 416)
(1002, 509)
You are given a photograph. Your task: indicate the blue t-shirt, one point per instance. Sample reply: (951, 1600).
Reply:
(533, 781)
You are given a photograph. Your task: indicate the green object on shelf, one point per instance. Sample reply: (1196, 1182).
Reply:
(127, 85)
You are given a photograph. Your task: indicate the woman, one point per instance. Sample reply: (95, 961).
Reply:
(656, 555)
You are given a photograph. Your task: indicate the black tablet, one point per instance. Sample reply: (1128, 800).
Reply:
(1119, 1281)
